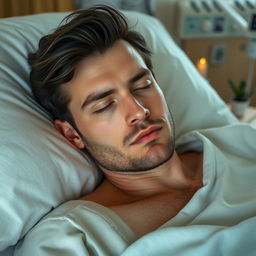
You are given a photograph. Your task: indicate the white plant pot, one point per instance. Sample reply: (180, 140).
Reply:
(239, 107)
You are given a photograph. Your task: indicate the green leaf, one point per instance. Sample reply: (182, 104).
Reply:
(239, 90)
(233, 86)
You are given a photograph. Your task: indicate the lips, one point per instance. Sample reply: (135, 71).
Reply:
(147, 135)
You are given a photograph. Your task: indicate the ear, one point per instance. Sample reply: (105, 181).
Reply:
(67, 130)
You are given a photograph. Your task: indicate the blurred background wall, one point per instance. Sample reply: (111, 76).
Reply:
(225, 55)
(23, 7)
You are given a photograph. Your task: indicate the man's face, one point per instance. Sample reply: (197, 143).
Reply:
(120, 111)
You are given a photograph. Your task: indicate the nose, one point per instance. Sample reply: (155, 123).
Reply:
(136, 112)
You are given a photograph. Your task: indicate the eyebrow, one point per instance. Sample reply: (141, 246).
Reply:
(96, 96)
(139, 76)
(100, 95)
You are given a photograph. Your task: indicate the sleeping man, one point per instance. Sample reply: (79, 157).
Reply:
(95, 77)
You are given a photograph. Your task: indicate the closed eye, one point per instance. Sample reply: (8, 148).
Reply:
(148, 85)
(102, 109)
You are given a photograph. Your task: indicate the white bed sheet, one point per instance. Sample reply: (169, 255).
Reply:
(220, 219)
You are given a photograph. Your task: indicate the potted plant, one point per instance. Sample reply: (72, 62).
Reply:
(240, 101)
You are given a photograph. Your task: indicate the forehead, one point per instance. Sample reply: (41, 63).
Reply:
(103, 72)
(120, 59)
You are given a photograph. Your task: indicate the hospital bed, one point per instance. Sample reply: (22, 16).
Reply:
(39, 168)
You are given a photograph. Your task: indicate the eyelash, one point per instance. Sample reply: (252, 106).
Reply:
(103, 109)
(144, 87)
(107, 106)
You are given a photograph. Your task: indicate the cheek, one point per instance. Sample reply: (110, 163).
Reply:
(158, 105)
(102, 131)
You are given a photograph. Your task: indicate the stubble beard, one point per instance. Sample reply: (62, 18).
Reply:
(114, 160)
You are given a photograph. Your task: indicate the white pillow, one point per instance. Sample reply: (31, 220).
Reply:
(40, 169)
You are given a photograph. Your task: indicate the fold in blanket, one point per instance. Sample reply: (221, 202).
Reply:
(218, 220)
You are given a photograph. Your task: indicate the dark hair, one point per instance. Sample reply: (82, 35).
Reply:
(85, 33)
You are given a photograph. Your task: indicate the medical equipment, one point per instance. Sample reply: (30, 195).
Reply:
(209, 19)
(248, 30)
(220, 19)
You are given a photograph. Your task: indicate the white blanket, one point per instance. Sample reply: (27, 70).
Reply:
(218, 220)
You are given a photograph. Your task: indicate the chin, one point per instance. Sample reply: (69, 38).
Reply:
(156, 156)
(152, 163)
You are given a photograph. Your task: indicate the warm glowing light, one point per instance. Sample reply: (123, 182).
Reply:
(202, 66)
(202, 61)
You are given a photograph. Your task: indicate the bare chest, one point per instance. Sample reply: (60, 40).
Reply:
(149, 214)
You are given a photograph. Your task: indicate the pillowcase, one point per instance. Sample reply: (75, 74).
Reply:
(39, 168)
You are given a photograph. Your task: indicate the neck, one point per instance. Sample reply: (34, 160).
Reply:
(176, 174)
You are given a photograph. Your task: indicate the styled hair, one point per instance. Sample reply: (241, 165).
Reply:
(84, 33)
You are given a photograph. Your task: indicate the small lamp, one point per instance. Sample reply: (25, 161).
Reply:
(202, 66)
